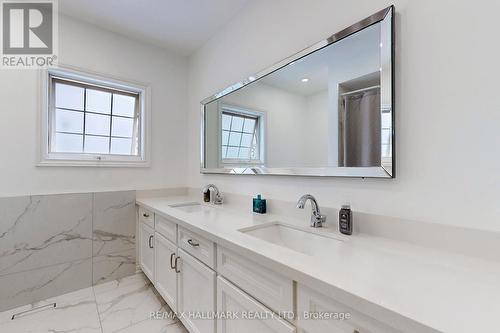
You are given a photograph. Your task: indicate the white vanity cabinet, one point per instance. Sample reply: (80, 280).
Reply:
(182, 278)
(165, 274)
(147, 217)
(167, 228)
(198, 246)
(231, 299)
(270, 288)
(146, 250)
(313, 302)
(199, 278)
(196, 293)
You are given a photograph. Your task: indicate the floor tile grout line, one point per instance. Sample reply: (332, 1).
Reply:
(150, 286)
(97, 309)
(174, 322)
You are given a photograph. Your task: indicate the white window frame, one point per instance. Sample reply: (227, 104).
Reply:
(262, 121)
(47, 158)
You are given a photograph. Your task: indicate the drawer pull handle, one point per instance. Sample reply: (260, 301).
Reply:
(145, 215)
(171, 260)
(175, 267)
(150, 243)
(190, 242)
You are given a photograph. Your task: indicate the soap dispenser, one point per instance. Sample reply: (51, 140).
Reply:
(259, 205)
(206, 196)
(345, 220)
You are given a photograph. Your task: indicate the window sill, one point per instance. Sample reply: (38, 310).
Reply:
(91, 163)
(240, 164)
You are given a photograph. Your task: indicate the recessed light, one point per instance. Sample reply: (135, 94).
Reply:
(305, 80)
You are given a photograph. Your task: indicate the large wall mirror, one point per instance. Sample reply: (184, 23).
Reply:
(326, 111)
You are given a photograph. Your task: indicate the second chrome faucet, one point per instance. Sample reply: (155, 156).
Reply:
(317, 220)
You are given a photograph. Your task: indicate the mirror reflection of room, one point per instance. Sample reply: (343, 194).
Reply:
(324, 110)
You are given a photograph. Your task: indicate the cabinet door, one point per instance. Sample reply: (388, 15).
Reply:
(165, 276)
(231, 299)
(196, 293)
(146, 252)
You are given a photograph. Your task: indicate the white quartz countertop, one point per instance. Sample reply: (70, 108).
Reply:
(410, 287)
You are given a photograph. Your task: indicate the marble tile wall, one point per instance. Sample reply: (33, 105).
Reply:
(113, 235)
(54, 244)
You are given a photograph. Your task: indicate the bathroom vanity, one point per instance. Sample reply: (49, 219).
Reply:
(195, 272)
(206, 259)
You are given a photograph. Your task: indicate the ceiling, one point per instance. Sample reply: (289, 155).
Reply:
(178, 25)
(317, 67)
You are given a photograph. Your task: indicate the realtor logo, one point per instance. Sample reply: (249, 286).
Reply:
(28, 33)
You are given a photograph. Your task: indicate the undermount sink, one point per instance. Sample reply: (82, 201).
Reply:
(294, 238)
(191, 207)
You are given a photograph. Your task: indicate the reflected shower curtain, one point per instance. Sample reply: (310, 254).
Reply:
(360, 130)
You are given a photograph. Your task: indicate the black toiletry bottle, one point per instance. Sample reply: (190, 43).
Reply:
(345, 220)
(259, 205)
(206, 196)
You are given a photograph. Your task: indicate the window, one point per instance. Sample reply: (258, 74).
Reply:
(386, 135)
(93, 121)
(242, 137)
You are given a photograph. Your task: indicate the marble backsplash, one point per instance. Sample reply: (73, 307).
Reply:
(53, 244)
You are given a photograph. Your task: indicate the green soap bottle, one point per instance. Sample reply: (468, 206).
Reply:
(259, 205)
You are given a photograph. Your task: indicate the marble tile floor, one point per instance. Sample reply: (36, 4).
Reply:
(123, 305)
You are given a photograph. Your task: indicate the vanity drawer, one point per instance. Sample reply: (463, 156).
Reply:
(166, 228)
(268, 287)
(231, 299)
(198, 246)
(311, 301)
(145, 216)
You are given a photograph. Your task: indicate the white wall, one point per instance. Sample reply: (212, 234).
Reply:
(315, 128)
(447, 104)
(86, 46)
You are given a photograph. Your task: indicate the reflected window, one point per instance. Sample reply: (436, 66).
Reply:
(386, 132)
(241, 136)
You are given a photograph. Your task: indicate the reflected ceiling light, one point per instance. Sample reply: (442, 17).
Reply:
(304, 80)
(251, 78)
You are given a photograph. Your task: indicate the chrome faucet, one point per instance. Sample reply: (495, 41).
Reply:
(217, 200)
(317, 219)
